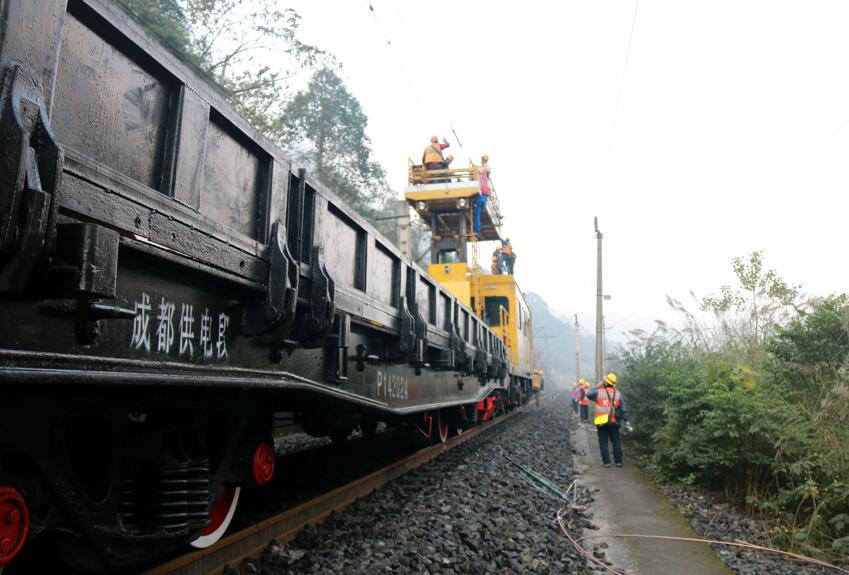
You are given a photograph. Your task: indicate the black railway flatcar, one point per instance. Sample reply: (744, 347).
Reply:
(168, 281)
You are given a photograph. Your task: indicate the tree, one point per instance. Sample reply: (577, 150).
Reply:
(248, 50)
(751, 311)
(324, 127)
(164, 19)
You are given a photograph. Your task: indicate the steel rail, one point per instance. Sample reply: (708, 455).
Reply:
(284, 527)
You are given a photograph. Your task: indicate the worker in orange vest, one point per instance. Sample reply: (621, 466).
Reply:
(574, 395)
(610, 412)
(432, 157)
(584, 402)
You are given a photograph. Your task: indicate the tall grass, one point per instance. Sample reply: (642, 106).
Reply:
(763, 420)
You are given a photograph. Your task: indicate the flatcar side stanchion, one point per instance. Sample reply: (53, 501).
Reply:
(284, 527)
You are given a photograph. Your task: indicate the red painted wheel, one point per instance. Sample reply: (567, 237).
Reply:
(440, 434)
(263, 463)
(220, 517)
(14, 524)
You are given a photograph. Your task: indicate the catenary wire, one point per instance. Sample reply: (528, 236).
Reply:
(624, 68)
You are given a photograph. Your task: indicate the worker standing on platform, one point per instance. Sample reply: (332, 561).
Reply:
(496, 266)
(584, 402)
(432, 158)
(498, 261)
(480, 201)
(507, 256)
(609, 413)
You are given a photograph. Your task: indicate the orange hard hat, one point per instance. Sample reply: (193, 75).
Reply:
(484, 158)
(434, 139)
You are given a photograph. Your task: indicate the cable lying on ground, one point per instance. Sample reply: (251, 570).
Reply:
(568, 509)
(550, 489)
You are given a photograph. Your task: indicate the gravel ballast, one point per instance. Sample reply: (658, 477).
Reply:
(469, 511)
(713, 519)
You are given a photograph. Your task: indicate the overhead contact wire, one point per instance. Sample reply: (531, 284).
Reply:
(391, 47)
(624, 69)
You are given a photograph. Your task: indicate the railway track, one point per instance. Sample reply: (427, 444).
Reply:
(284, 527)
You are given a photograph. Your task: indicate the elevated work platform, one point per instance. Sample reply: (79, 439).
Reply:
(444, 199)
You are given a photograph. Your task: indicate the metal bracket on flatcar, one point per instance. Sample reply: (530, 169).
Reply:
(497, 363)
(452, 357)
(503, 355)
(363, 356)
(30, 175)
(84, 268)
(419, 351)
(341, 338)
(406, 329)
(480, 357)
(322, 310)
(413, 334)
(273, 316)
(84, 263)
(447, 356)
(87, 315)
(458, 344)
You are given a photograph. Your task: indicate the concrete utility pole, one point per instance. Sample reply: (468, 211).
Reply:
(599, 321)
(577, 349)
(604, 363)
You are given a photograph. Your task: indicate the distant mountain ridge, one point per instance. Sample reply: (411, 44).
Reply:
(554, 339)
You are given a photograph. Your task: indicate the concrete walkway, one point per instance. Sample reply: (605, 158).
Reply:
(627, 502)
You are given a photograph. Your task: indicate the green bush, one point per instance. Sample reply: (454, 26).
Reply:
(768, 427)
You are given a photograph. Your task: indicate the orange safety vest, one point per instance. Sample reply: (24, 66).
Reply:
(606, 404)
(432, 154)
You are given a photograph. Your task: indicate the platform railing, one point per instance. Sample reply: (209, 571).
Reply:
(418, 175)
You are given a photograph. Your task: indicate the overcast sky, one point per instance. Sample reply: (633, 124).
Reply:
(731, 134)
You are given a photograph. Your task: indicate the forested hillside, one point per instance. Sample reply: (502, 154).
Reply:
(554, 339)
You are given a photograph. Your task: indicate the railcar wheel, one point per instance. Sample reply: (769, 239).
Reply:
(439, 434)
(221, 515)
(455, 421)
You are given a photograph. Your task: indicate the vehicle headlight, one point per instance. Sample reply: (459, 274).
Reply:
(421, 206)
(462, 203)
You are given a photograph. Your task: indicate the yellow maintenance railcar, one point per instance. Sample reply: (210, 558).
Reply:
(445, 201)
